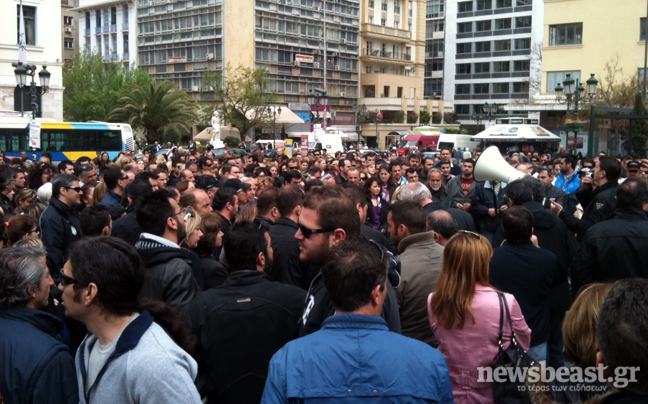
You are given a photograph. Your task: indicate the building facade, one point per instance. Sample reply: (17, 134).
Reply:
(69, 35)
(42, 17)
(434, 48)
(108, 28)
(493, 53)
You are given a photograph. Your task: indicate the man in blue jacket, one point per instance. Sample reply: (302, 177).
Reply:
(35, 366)
(354, 356)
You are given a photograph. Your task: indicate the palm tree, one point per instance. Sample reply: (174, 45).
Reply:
(155, 107)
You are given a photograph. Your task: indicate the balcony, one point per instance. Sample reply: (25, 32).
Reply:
(125, 26)
(106, 28)
(87, 31)
(97, 30)
(388, 33)
(125, 56)
(113, 27)
(380, 56)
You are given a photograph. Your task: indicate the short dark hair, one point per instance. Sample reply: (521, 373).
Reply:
(266, 200)
(570, 159)
(611, 166)
(290, 175)
(112, 176)
(394, 164)
(356, 194)
(288, 197)
(536, 187)
(442, 222)
(519, 192)
(334, 210)
(308, 185)
(517, 223)
(409, 213)
(153, 212)
(443, 162)
(411, 170)
(63, 165)
(93, 220)
(139, 190)
(243, 244)
(7, 174)
(622, 329)
(61, 181)
(223, 197)
(633, 193)
(353, 269)
(114, 266)
(469, 161)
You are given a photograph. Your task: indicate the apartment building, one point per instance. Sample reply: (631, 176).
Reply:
(69, 34)
(42, 18)
(108, 27)
(434, 48)
(493, 53)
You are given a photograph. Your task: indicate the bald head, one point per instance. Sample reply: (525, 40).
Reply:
(443, 225)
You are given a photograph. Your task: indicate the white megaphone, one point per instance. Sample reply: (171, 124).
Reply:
(492, 166)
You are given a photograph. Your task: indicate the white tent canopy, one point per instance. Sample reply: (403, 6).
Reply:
(286, 115)
(516, 130)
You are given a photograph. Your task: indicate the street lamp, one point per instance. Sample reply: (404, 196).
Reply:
(378, 118)
(574, 91)
(21, 72)
(489, 110)
(317, 99)
(274, 112)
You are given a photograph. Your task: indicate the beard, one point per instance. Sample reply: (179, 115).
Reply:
(435, 188)
(267, 268)
(182, 232)
(317, 254)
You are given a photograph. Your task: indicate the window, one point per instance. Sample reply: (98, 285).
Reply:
(555, 78)
(397, 7)
(465, 6)
(383, 5)
(464, 27)
(410, 7)
(566, 34)
(433, 9)
(483, 26)
(519, 3)
(504, 3)
(125, 43)
(500, 88)
(383, 22)
(482, 46)
(484, 4)
(482, 67)
(501, 67)
(67, 20)
(462, 109)
(501, 46)
(521, 65)
(463, 48)
(125, 14)
(521, 87)
(68, 43)
(523, 43)
(504, 23)
(463, 68)
(368, 69)
(480, 88)
(433, 26)
(371, 3)
(87, 20)
(462, 88)
(435, 48)
(642, 29)
(523, 22)
(437, 65)
(98, 18)
(113, 15)
(29, 16)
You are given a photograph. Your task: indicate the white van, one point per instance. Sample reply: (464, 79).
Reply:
(456, 141)
(319, 139)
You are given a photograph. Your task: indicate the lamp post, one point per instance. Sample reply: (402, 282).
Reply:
(378, 118)
(489, 110)
(274, 112)
(21, 72)
(575, 95)
(317, 99)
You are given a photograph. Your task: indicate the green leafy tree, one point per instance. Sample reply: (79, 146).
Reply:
(232, 141)
(92, 86)
(436, 117)
(425, 116)
(637, 131)
(242, 95)
(156, 107)
(412, 117)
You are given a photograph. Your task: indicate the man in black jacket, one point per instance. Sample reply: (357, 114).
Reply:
(599, 203)
(126, 227)
(169, 277)
(527, 272)
(245, 321)
(328, 218)
(35, 365)
(59, 223)
(617, 248)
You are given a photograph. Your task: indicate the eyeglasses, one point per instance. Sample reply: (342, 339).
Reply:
(33, 231)
(471, 233)
(78, 189)
(309, 232)
(68, 280)
(125, 177)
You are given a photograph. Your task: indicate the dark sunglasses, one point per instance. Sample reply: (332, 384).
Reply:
(78, 189)
(68, 280)
(87, 167)
(471, 233)
(309, 232)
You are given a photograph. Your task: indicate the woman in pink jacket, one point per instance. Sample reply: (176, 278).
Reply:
(464, 314)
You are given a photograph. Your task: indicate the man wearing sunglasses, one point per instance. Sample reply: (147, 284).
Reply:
(328, 218)
(59, 223)
(35, 365)
(169, 277)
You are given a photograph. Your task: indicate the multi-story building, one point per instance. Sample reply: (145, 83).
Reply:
(434, 48)
(109, 28)
(69, 35)
(392, 63)
(42, 18)
(493, 53)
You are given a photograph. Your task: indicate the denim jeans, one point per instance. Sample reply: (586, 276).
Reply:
(555, 357)
(539, 352)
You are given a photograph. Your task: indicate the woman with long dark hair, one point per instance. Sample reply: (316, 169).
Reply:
(378, 209)
(464, 311)
(384, 176)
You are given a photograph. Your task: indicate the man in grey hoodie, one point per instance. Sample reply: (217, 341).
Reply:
(127, 357)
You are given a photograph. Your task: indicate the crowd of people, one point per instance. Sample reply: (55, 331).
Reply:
(186, 277)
